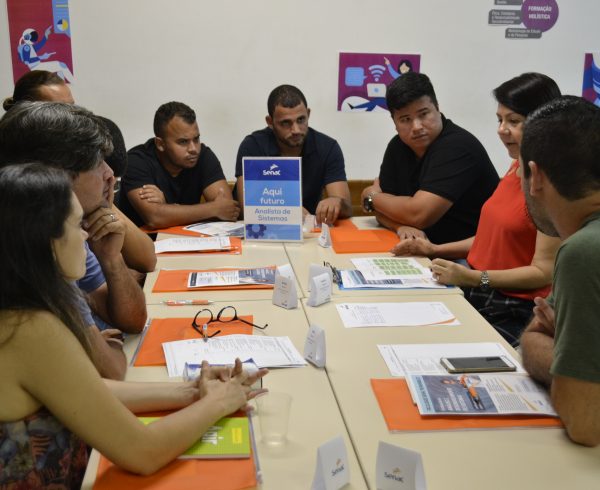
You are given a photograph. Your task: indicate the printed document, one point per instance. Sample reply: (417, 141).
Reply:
(191, 244)
(410, 359)
(265, 351)
(356, 315)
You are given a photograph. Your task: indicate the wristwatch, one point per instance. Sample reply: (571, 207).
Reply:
(484, 281)
(368, 202)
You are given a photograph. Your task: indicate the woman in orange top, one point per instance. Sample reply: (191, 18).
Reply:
(509, 261)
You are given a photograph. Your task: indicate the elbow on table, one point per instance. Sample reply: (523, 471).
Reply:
(585, 436)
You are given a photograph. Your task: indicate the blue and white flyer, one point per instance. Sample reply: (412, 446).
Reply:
(273, 198)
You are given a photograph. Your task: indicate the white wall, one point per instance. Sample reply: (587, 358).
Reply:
(223, 57)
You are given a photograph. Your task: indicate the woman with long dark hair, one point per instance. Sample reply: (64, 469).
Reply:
(53, 399)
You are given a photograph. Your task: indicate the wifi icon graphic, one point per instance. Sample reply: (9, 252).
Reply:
(377, 71)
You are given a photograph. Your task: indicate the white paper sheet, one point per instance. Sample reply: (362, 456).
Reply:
(192, 244)
(265, 351)
(218, 228)
(406, 359)
(356, 315)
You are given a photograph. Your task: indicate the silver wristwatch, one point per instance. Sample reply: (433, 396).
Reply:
(484, 281)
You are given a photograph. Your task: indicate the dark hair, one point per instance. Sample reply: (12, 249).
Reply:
(28, 87)
(527, 92)
(62, 135)
(168, 111)
(35, 201)
(406, 89)
(285, 96)
(407, 63)
(117, 160)
(563, 138)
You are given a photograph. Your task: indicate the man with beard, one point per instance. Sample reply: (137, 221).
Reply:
(560, 163)
(75, 140)
(287, 135)
(168, 175)
(435, 175)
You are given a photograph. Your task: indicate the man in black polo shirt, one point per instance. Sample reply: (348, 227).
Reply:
(435, 176)
(168, 175)
(288, 135)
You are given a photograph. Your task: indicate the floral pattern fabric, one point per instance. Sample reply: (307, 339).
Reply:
(39, 452)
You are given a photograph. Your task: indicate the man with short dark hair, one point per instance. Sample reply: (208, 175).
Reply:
(287, 135)
(168, 175)
(73, 139)
(435, 176)
(560, 166)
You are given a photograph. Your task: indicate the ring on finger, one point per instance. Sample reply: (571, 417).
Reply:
(113, 217)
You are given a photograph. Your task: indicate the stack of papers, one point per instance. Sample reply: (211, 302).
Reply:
(388, 273)
(356, 315)
(204, 244)
(261, 275)
(481, 394)
(265, 351)
(412, 359)
(218, 228)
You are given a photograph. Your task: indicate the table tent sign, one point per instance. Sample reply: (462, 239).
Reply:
(273, 198)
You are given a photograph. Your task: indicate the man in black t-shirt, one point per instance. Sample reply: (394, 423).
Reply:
(435, 176)
(168, 175)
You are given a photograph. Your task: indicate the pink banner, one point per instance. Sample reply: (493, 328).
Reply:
(40, 37)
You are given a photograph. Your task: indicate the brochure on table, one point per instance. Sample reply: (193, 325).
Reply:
(479, 394)
(410, 359)
(192, 244)
(357, 315)
(235, 277)
(273, 198)
(265, 351)
(389, 272)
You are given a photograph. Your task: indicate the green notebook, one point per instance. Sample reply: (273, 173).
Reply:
(228, 438)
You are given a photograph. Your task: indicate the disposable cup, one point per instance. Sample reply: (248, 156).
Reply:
(273, 415)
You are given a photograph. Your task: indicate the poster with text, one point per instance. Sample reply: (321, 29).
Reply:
(591, 78)
(364, 77)
(528, 18)
(40, 37)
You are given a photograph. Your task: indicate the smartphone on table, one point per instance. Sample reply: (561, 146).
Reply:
(486, 364)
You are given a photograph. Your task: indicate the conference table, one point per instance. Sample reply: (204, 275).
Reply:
(338, 400)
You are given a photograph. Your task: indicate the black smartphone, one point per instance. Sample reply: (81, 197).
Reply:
(489, 364)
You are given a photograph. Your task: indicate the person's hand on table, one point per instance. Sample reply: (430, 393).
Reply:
(408, 232)
(225, 208)
(414, 247)
(328, 210)
(112, 335)
(451, 273)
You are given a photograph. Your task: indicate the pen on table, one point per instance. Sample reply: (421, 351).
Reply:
(183, 302)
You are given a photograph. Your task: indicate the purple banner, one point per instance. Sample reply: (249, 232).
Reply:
(364, 77)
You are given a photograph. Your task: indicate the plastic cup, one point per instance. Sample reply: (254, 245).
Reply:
(274, 414)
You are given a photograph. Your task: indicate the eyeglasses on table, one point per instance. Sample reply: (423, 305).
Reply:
(225, 315)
